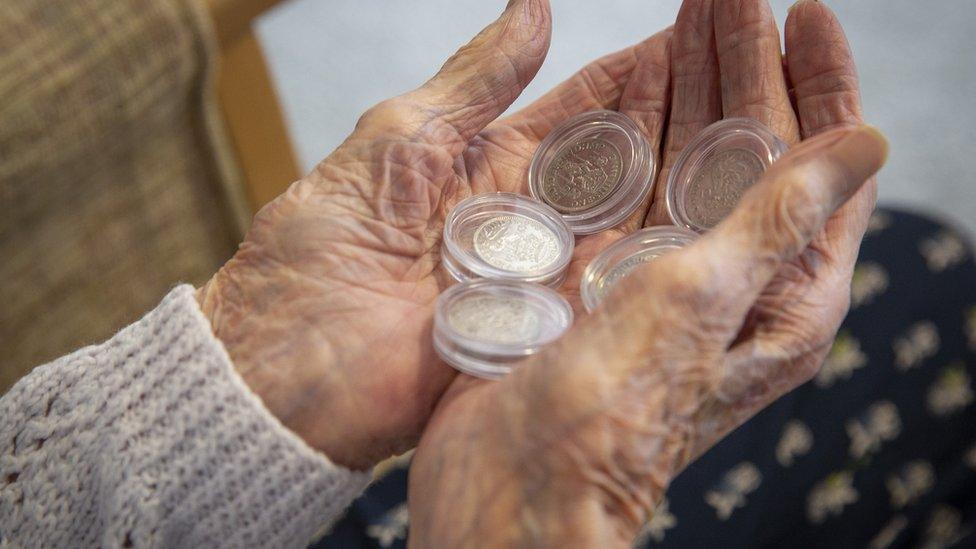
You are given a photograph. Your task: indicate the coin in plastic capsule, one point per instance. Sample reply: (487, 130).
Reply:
(716, 168)
(483, 327)
(506, 236)
(623, 256)
(595, 169)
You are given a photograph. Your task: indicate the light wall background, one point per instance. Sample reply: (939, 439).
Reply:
(332, 59)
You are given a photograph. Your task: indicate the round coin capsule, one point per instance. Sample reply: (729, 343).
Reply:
(716, 168)
(483, 327)
(595, 169)
(506, 236)
(623, 256)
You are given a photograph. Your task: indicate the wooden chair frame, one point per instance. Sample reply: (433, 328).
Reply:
(252, 115)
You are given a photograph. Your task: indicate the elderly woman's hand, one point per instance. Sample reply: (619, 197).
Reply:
(326, 310)
(580, 442)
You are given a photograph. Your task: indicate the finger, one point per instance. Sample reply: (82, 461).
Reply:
(781, 214)
(821, 68)
(751, 66)
(477, 84)
(645, 100)
(587, 248)
(696, 96)
(511, 141)
(598, 85)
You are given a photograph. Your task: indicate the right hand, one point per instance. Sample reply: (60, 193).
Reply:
(579, 443)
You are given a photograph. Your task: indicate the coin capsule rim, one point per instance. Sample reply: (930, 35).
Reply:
(491, 359)
(637, 169)
(716, 138)
(463, 264)
(665, 237)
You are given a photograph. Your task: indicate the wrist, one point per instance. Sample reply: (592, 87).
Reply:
(307, 401)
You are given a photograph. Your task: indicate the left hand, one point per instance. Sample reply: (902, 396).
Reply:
(327, 307)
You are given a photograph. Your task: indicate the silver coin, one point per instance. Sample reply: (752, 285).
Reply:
(516, 243)
(495, 319)
(717, 187)
(582, 175)
(624, 268)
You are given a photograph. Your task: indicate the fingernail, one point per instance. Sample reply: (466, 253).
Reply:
(797, 3)
(858, 155)
(864, 150)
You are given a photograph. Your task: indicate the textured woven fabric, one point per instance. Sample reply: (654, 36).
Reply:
(152, 440)
(108, 191)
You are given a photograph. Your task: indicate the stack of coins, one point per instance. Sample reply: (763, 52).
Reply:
(589, 174)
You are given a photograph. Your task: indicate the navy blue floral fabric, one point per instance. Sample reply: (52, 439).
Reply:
(879, 450)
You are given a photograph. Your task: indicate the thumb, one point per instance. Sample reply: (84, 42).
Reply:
(477, 84)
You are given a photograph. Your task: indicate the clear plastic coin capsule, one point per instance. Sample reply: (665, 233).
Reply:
(623, 256)
(595, 169)
(716, 168)
(506, 236)
(483, 327)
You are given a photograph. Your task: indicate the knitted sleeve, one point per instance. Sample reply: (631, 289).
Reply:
(152, 439)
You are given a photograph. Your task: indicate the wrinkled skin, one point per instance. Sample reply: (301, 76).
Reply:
(326, 309)
(579, 444)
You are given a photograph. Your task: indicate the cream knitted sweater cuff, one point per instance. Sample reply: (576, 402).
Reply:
(152, 439)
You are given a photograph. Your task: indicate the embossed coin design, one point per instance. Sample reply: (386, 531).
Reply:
(594, 169)
(582, 175)
(494, 318)
(715, 169)
(623, 269)
(506, 236)
(485, 327)
(515, 243)
(717, 187)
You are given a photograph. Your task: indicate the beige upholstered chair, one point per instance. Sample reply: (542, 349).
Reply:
(136, 139)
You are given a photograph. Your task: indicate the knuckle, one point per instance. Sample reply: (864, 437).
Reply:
(795, 214)
(390, 115)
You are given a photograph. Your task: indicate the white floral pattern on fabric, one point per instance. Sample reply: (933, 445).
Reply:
(971, 326)
(914, 480)
(920, 342)
(887, 535)
(970, 457)
(944, 528)
(879, 221)
(391, 527)
(845, 356)
(731, 492)
(796, 441)
(398, 462)
(869, 281)
(951, 392)
(830, 496)
(881, 490)
(942, 251)
(661, 521)
(878, 424)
